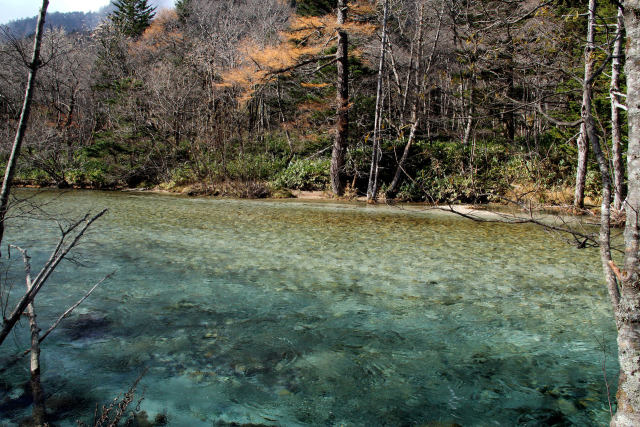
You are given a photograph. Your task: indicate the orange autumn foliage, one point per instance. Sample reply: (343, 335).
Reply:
(162, 34)
(314, 85)
(306, 37)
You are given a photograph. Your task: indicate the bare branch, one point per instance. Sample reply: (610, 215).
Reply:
(62, 249)
(74, 306)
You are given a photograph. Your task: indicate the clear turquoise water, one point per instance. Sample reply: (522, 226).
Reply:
(300, 313)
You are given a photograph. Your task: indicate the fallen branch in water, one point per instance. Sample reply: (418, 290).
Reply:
(69, 238)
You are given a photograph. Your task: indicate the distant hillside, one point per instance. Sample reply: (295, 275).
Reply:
(70, 21)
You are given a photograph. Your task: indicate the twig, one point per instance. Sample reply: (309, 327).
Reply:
(73, 307)
(59, 253)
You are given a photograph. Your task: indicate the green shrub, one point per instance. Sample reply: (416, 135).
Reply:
(254, 167)
(183, 174)
(593, 184)
(97, 173)
(304, 174)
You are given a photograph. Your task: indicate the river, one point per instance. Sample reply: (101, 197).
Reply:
(314, 313)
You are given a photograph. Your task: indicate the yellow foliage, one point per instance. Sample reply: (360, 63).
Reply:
(314, 85)
(360, 28)
(362, 8)
(273, 58)
(160, 34)
(306, 37)
(310, 23)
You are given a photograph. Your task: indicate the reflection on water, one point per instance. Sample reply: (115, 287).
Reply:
(294, 313)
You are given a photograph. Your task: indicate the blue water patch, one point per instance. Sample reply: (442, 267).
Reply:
(299, 313)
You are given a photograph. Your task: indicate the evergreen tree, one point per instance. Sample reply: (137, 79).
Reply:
(183, 9)
(314, 7)
(132, 17)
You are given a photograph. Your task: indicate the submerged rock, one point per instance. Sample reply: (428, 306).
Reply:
(221, 423)
(17, 398)
(60, 405)
(537, 417)
(161, 420)
(86, 326)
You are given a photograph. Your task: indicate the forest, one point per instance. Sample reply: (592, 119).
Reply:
(459, 101)
(525, 103)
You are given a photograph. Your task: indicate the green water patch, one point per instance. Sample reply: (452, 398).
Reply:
(301, 313)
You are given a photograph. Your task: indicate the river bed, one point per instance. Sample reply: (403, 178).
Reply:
(313, 313)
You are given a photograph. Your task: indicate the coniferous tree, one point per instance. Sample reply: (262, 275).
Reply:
(132, 17)
(314, 7)
(183, 9)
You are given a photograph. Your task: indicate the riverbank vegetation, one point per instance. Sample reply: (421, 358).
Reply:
(240, 98)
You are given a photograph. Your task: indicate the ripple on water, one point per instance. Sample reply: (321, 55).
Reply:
(297, 313)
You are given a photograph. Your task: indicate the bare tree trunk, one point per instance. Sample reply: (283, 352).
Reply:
(509, 115)
(282, 119)
(24, 118)
(616, 127)
(581, 171)
(419, 85)
(393, 187)
(583, 141)
(628, 311)
(470, 111)
(39, 411)
(342, 123)
(372, 188)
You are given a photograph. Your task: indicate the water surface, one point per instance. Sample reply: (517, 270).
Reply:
(301, 313)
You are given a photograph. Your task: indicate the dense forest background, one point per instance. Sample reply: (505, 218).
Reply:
(468, 101)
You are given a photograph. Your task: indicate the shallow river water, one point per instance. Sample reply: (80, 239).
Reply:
(307, 313)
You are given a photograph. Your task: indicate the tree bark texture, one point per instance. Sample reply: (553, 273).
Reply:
(342, 123)
(581, 170)
(24, 118)
(628, 311)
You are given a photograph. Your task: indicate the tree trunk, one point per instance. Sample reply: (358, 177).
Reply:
(372, 188)
(421, 73)
(39, 412)
(583, 140)
(616, 126)
(581, 171)
(509, 116)
(393, 187)
(342, 123)
(628, 312)
(24, 118)
(37, 392)
(470, 111)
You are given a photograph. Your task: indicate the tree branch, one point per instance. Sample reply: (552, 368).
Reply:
(56, 257)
